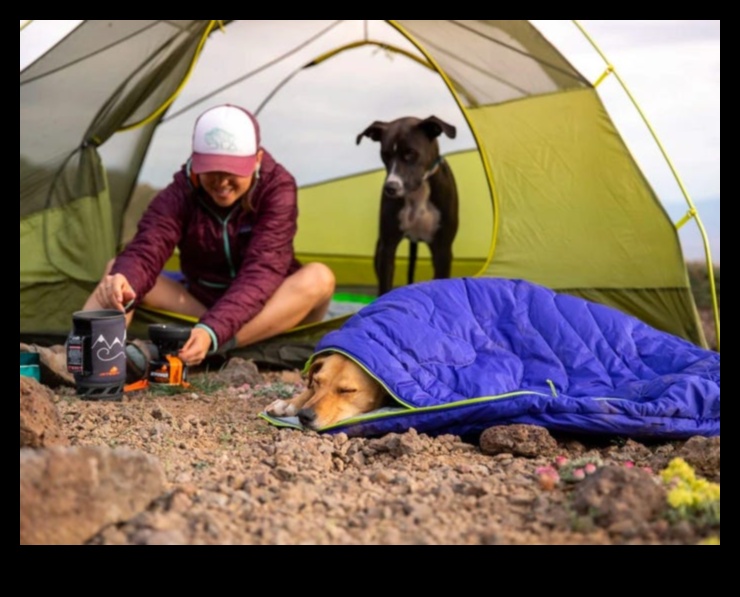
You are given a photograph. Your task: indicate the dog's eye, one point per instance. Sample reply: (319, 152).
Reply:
(409, 157)
(346, 390)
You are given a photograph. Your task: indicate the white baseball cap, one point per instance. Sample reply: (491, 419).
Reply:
(225, 139)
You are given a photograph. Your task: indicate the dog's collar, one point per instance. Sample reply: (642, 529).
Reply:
(433, 170)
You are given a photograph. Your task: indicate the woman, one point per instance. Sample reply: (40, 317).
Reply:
(232, 211)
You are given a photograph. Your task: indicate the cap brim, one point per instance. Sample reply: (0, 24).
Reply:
(239, 165)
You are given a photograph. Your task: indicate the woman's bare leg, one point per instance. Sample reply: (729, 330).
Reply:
(303, 297)
(166, 294)
(169, 295)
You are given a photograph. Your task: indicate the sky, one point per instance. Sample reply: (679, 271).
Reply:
(670, 67)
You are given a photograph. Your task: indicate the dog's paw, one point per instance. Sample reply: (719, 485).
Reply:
(281, 408)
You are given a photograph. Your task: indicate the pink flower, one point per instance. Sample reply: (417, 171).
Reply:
(560, 461)
(589, 468)
(629, 464)
(548, 477)
(579, 474)
(547, 470)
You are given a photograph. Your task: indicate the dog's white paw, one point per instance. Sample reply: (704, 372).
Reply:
(281, 408)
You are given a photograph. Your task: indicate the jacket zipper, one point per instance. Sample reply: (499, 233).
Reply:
(227, 246)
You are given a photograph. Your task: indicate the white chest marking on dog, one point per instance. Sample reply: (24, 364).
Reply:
(419, 218)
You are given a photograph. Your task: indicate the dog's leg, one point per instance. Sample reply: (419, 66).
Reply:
(441, 251)
(289, 407)
(389, 237)
(413, 249)
(441, 245)
(385, 264)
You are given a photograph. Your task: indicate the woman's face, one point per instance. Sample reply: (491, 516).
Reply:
(225, 188)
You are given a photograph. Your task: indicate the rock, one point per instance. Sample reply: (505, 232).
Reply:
(52, 365)
(41, 424)
(519, 440)
(68, 494)
(615, 494)
(238, 372)
(702, 453)
(398, 444)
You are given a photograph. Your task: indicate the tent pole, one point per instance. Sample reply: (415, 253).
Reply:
(484, 157)
(692, 213)
(206, 32)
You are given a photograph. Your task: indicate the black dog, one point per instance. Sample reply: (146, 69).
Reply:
(419, 199)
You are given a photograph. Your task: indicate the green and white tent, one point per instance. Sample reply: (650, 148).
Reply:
(549, 191)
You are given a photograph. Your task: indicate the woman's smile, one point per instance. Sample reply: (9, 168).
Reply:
(225, 188)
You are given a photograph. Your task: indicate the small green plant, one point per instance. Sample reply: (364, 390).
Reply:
(206, 384)
(161, 389)
(583, 523)
(577, 469)
(278, 389)
(572, 471)
(690, 497)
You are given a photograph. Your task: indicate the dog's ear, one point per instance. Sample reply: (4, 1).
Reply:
(374, 131)
(434, 127)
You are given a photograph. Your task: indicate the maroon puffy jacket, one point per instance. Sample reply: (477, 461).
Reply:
(232, 258)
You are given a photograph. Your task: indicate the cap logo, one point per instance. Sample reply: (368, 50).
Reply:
(219, 139)
(225, 139)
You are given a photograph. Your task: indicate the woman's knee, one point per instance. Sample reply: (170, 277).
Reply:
(317, 279)
(325, 278)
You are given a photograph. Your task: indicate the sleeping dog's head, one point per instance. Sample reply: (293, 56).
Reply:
(337, 389)
(409, 149)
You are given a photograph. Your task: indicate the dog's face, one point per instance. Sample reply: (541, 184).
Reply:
(409, 150)
(337, 389)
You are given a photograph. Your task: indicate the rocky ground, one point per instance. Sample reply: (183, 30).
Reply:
(198, 466)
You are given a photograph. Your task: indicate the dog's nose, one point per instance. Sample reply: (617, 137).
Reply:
(393, 188)
(306, 416)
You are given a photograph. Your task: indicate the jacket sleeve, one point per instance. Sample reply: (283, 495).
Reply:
(157, 235)
(265, 263)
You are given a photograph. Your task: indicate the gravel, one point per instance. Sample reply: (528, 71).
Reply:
(233, 478)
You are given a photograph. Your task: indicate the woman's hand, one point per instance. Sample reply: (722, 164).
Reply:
(196, 348)
(114, 292)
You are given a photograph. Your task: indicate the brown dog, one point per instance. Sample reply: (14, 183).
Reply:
(337, 389)
(419, 198)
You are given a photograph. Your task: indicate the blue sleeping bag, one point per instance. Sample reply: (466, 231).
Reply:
(465, 354)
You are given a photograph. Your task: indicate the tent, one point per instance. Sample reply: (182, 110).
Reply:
(549, 191)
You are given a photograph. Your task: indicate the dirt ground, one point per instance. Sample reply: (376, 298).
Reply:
(234, 478)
